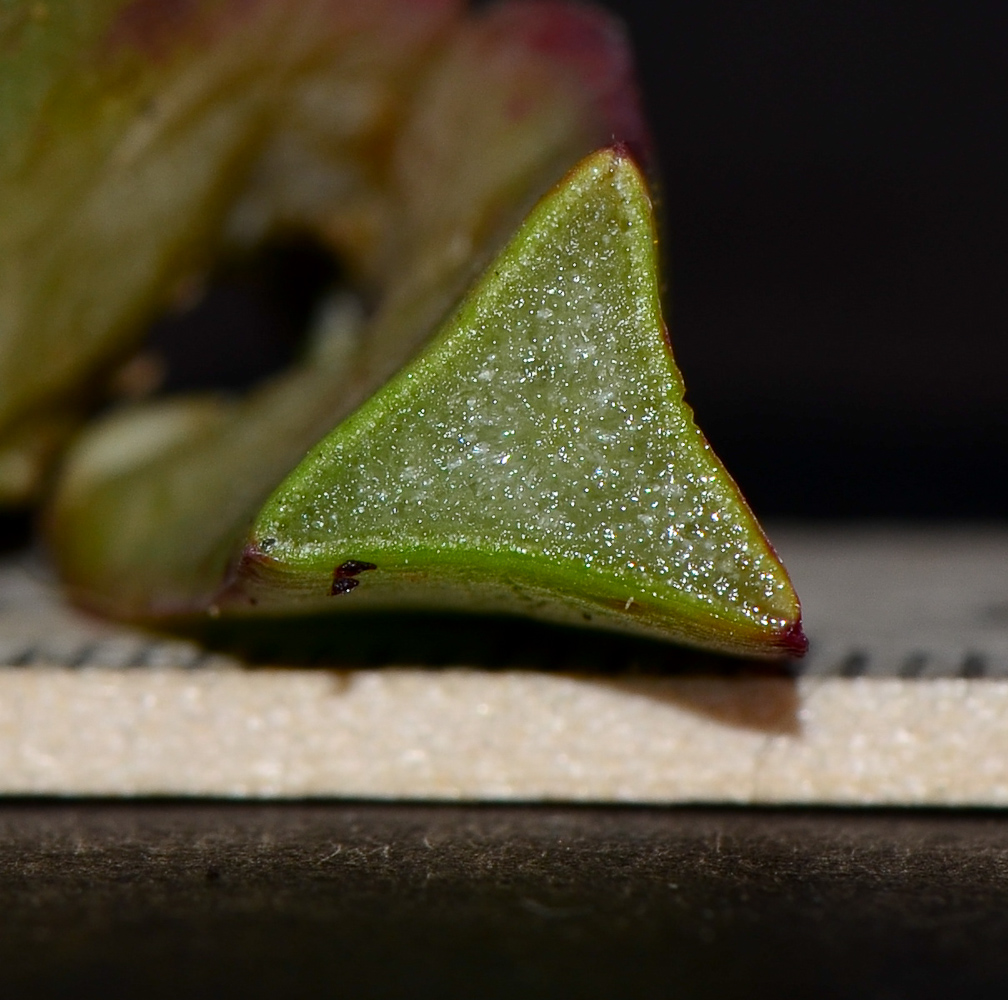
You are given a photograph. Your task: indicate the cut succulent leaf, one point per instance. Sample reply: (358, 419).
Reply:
(509, 100)
(537, 458)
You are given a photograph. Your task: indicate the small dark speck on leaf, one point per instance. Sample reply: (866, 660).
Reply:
(343, 575)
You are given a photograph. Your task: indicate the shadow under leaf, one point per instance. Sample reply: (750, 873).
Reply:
(747, 693)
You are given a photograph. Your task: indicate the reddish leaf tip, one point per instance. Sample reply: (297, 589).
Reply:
(794, 640)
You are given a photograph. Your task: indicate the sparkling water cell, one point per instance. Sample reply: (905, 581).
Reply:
(539, 456)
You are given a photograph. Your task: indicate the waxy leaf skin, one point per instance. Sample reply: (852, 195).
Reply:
(537, 458)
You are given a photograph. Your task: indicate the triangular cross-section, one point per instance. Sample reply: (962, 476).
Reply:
(537, 458)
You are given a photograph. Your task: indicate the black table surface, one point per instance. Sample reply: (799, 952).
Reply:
(192, 899)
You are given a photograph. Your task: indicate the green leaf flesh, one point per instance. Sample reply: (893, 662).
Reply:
(538, 457)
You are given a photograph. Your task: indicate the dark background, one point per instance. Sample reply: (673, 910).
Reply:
(834, 204)
(833, 198)
(835, 207)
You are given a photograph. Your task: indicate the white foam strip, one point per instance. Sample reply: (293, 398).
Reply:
(462, 734)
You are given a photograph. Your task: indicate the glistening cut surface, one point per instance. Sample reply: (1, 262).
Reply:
(547, 423)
